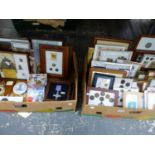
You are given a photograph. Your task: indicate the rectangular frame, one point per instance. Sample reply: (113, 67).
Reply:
(113, 41)
(139, 99)
(36, 46)
(50, 81)
(15, 62)
(56, 49)
(104, 71)
(98, 55)
(142, 47)
(104, 91)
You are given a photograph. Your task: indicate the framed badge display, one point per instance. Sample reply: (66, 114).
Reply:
(14, 65)
(102, 97)
(54, 60)
(126, 44)
(58, 90)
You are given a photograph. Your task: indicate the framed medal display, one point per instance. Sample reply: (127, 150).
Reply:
(54, 60)
(57, 90)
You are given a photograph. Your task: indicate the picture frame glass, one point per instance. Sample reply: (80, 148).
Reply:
(54, 62)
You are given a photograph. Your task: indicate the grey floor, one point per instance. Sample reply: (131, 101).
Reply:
(71, 123)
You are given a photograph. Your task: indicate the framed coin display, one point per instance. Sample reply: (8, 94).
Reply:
(54, 60)
(103, 97)
(145, 44)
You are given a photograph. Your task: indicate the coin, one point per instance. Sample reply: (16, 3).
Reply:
(91, 97)
(20, 88)
(97, 95)
(148, 45)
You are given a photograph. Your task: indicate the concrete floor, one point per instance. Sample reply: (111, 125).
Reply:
(71, 123)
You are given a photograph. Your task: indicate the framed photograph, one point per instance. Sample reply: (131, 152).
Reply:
(36, 46)
(127, 44)
(14, 65)
(54, 60)
(133, 100)
(58, 90)
(145, 44)
(111, 56)
(102, 97)
(115, 73)
(103, 81)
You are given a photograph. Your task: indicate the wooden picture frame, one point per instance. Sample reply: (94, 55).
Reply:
(36, 46)
(116, 73)
(57, 95)
(17, 67)
(111, 56)
(133, 100)
(103, 97)
(54, 60)
(146, 44)
(113, 42)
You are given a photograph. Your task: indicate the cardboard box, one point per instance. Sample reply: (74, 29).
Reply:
(111, 112)
(46, 106)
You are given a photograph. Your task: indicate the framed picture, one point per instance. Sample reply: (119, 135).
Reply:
(121, 92)
(149, 99)
(14, 65)
(54, 60)
(127, 44)
(58, 90)
(101, 97)
(111, 56)
(103, 81)
(145, 44)
(123, 83)
(114, 66)
(15, 44)
(147, 60)
(115, 73)
(133, 100)
(36, 46)
(134, 69)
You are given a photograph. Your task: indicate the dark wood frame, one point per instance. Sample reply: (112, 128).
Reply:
(104, 90)
(64, 50)
(20, 53)
(110, 39)
(55, 81)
